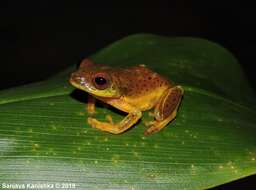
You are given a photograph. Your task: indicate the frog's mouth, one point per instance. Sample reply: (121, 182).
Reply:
(79, 84)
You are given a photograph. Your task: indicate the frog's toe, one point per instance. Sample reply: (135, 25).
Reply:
(92, 122)
(152, 129)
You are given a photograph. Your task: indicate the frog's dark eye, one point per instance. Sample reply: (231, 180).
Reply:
(101, 81)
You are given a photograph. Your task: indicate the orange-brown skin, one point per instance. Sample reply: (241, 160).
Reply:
(131, 90)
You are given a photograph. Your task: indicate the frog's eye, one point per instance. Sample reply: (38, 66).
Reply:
(101, 81)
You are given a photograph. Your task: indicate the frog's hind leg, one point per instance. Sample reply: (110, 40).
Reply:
(166, 109)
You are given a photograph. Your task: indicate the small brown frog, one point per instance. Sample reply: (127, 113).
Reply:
(132, 90)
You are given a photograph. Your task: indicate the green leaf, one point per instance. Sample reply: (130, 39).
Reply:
(44, 137)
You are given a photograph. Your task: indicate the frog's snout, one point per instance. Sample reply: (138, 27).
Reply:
(76, 78)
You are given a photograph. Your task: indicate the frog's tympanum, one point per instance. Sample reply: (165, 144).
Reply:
(131, 90)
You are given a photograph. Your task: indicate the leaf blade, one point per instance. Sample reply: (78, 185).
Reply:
(44, 136)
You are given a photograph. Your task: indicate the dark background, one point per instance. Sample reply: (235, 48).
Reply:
(40, 38)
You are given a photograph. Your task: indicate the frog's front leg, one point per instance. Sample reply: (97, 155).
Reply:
(133, 116)
(91, 105)
(166, 109)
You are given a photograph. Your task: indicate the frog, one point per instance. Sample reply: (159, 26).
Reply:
(132, 90)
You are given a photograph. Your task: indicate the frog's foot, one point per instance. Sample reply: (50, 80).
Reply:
(120, 127)
(91, 105)
(156, 126)
(166, 109)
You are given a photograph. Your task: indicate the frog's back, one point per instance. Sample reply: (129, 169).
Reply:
(141, 86)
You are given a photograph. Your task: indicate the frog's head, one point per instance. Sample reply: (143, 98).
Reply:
(95, 79)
